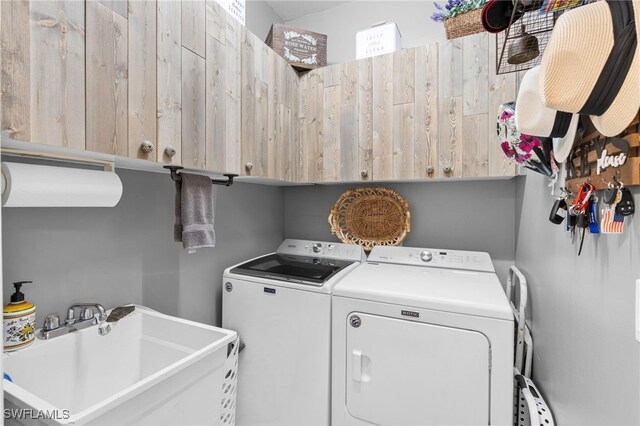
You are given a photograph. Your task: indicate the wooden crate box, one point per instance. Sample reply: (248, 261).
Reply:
(304, 50)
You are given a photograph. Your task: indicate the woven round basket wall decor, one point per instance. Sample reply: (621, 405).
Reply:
(370, 216)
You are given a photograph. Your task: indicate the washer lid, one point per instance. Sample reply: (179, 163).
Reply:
(299, 269)
(449, 290)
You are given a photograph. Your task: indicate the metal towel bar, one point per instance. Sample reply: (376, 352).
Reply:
(175, 176)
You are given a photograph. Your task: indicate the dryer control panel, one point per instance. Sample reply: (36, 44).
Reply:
(322, 249)
(433, 258)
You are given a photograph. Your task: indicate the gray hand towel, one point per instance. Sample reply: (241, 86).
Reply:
(194, 212)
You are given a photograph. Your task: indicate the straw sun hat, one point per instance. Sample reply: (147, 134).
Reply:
(533, 118)
(591, 64)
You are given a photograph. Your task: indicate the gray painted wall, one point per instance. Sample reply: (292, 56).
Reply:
(259, 16)
(127, 254)
(586, 359)
(342, 22)
(477, 216)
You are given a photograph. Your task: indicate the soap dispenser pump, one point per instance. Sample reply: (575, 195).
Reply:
(19, 320)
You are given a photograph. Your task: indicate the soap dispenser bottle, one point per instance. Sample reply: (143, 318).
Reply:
(19, 320)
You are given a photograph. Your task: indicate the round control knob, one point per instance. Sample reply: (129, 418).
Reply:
(355, 321)
(248, 166)
(170, 151)
(430, 170)
(426, 256)
(364, 173)
(317, 247)
(447, 169)
(146, 147)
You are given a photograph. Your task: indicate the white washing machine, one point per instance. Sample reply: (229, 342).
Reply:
(422, 337)
(280, 305)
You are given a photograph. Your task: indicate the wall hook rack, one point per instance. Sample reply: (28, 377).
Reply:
(175, 176)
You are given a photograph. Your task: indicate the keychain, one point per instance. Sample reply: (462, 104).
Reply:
(612, 223)
(558, 211)
(609, 195)
(593, 217)
(625, 206)
(580, 208)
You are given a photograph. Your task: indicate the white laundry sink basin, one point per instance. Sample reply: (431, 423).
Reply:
(150, 369)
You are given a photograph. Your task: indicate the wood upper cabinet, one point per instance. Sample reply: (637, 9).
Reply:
(182, 82)
(43, 85)
(422, 113)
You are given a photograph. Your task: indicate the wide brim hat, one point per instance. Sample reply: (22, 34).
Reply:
(526, 150)
(496, 15)
(534, 118)
(591, 64)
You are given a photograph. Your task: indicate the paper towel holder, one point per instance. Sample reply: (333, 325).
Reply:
(108, 166)
(175, 176)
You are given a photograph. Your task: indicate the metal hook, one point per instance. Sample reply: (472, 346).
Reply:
(617, 180)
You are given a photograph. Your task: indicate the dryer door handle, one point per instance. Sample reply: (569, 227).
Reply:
(357, 365)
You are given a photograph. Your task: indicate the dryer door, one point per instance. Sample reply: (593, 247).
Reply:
(412, 373)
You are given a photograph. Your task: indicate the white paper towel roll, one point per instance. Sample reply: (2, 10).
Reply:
(29, 185)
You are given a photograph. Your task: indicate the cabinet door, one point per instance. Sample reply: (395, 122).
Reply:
(502, 88)
(142, 80)
(223, 113)
(475, 106)
(193, 83)
(349, 130)
(279, 99)
(169, 81)
(450, 112)
(365, 119)
(426, 165)
(383, 117)
(483, 92)
(330, 122)
(193, 110)
(311, 123)
(38, 104)
(107, 80)
(255, 105)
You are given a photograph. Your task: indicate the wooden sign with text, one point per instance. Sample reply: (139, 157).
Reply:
(598, 159)
(303, 49)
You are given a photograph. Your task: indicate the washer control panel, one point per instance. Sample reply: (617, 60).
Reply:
(322, 249)
(433, 258)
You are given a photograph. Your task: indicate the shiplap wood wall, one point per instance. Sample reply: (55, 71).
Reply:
(187, 78)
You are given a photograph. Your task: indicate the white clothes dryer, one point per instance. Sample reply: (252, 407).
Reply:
(422, 337)
(280, 305)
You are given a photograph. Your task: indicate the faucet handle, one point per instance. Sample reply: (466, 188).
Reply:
(51, 322)
(86, 314)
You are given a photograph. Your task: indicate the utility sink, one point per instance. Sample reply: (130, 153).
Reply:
(150, 369)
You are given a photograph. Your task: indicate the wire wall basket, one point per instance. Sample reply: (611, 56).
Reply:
(521, 45)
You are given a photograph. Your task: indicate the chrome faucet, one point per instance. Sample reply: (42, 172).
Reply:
(90, 314)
